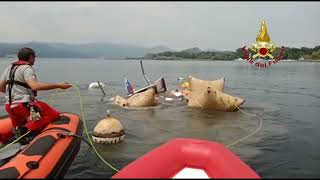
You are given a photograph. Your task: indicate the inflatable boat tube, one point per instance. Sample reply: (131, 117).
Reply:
(187, 158)
(49, 154)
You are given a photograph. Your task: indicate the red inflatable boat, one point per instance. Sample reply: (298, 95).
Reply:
(188, 158)
(49, 154)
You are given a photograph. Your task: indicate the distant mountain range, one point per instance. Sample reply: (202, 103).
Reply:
(89, 50)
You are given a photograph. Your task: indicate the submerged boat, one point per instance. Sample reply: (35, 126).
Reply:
(213, 99)
(159, 85)
(188, 158)
(49, 154)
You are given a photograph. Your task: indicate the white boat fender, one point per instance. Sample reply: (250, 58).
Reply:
(96, 85)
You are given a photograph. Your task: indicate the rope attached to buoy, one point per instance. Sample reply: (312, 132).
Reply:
(86, 131)
(252, 133)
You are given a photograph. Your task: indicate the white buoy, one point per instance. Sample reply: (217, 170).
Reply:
(96, 85)
(108, 131)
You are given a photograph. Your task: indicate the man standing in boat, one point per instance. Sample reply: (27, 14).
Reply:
(20, 84)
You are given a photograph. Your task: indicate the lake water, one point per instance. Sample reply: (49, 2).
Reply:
(286, 95)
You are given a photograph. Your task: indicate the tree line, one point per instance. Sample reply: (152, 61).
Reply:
(290, 53)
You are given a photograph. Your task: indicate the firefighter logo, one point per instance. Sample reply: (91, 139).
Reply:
(263, 49)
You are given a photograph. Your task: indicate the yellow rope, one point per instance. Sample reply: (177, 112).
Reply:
(236, 142)
(255, 131)
(85, 127)
(52, 95)
(14, 141)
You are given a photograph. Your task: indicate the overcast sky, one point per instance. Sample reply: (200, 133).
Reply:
(178, 25)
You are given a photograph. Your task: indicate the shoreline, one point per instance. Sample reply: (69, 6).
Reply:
(132, 59)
